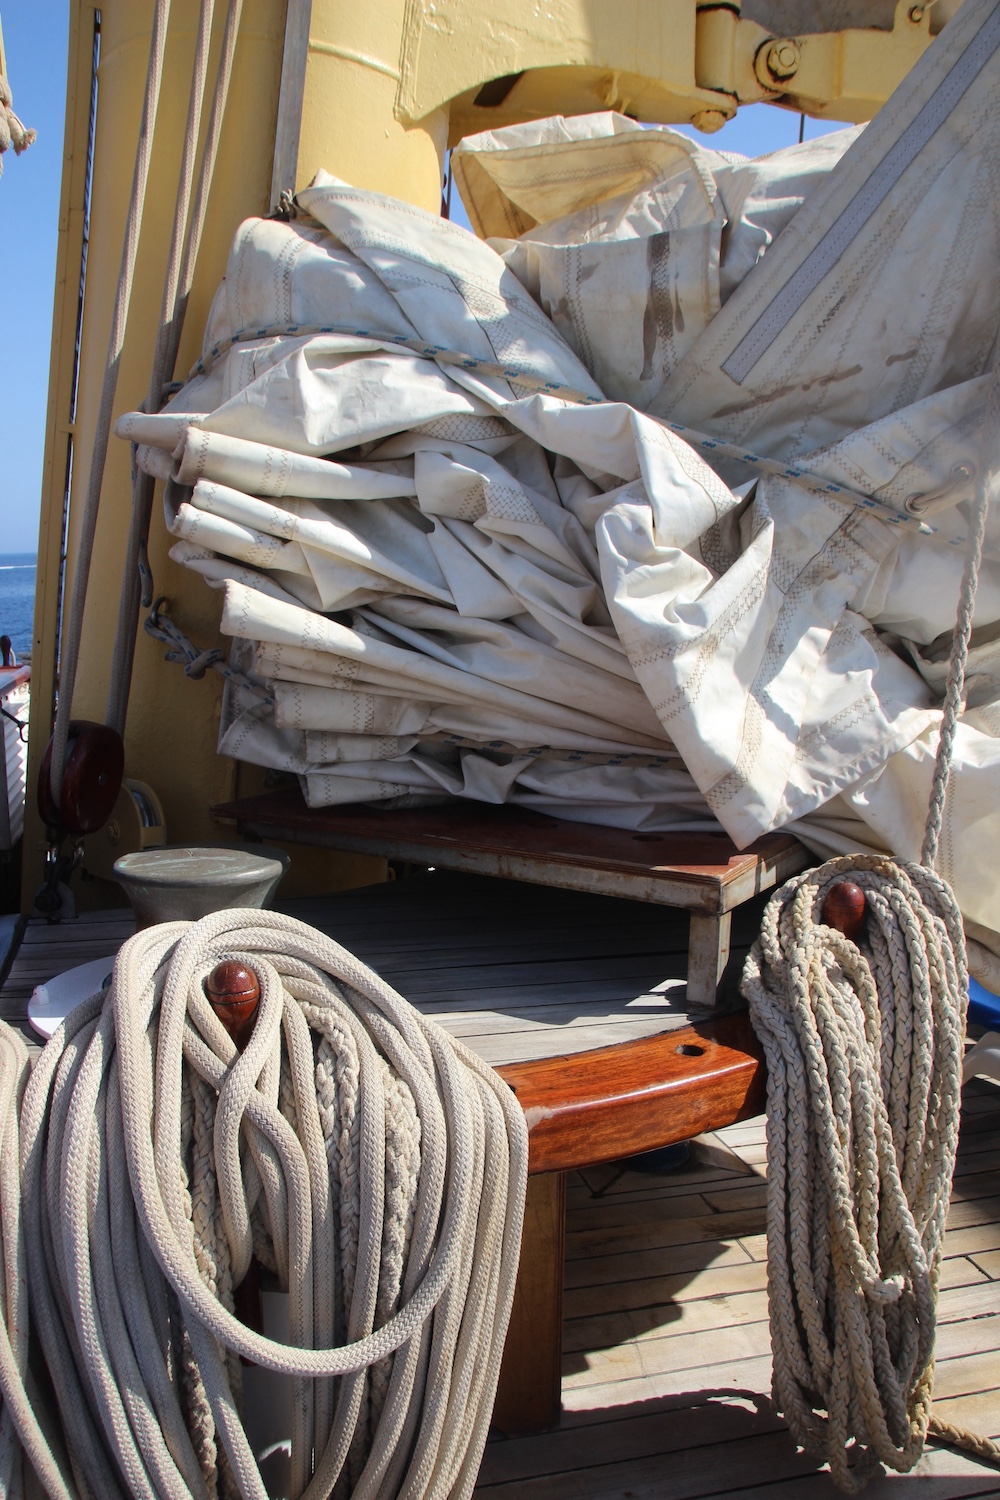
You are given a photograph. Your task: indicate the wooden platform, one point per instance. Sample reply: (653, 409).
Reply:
(665, 1354)
(703, 874)
(517, 972)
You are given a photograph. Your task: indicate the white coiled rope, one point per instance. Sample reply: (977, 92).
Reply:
(864, 1042)
(358, 1151)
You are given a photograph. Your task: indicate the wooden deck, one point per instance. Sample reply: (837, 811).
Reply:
(666, 1355)
(703, 874)
(515, 971)
(666, 1382)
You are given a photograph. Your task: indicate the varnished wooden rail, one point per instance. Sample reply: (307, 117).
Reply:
(600, 1106)
(582, 1109)
(636, 1096)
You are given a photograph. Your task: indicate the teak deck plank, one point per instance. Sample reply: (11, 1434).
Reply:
(691, 1472)
(979, 1413)
(609, 1441)
(586, 1338)
(696, 1229)
(634, 1374)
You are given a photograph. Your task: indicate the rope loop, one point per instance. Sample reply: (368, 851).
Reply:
(372, 1163)
(864, 1042)
(205, 659)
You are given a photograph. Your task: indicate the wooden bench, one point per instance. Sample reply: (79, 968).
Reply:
(701, 873)
(588, 1106)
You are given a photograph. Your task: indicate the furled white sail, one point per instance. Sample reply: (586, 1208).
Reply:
(466, 553)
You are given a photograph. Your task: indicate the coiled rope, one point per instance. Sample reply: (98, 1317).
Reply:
(864, 1042)
(358, 1151)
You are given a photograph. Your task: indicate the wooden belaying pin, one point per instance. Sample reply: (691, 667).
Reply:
(845, 908)
(233, 992)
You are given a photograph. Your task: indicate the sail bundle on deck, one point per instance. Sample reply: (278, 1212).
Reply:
(465, 553)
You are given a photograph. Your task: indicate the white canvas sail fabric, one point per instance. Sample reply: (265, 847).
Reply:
(463, 552)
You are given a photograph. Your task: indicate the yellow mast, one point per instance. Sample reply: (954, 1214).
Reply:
(375, 93)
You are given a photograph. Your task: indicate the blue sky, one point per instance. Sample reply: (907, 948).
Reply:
(35, 38)
(34, 33)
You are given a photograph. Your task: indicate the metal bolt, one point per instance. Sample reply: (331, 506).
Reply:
(917, 13)
(783, 58)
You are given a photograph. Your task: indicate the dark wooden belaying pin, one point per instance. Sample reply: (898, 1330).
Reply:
(845, 908)
(233, 992)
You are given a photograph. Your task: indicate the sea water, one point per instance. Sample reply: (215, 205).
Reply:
(17, 599)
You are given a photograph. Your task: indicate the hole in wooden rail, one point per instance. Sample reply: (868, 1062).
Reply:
(688, 1049)
(648, 838)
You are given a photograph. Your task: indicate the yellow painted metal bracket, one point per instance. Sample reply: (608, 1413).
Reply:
(845, 75)
(671, 61)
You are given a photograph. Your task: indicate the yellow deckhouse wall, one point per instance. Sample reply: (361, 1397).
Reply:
(374, 92)
(172, 723)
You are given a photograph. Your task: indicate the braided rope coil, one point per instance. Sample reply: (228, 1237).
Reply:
(371, 1161)
(864, 1044)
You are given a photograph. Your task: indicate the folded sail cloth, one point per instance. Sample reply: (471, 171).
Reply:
(883, 288)
(451, 568)
(630, 239)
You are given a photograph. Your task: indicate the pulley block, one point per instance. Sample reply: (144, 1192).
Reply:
(92, 779)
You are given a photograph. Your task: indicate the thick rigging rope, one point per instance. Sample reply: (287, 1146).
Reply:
(116, 340)
(374, 1164)
(188, 225)
(864, 1044)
